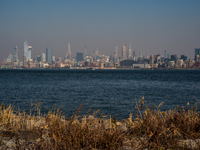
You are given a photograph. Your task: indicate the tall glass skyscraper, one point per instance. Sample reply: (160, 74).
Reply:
(16, 55)
(48, 54)
(27, 51)
(197, 52)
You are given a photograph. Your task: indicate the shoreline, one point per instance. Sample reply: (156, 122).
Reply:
(172, 128)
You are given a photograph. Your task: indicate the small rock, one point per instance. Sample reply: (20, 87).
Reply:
(46, 138)
(11, 144)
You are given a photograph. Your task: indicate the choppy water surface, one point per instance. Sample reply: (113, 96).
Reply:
(112, 91)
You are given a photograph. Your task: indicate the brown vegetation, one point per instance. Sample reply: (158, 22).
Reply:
(151, 128)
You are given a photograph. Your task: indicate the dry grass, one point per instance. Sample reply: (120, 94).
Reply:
(150, 129)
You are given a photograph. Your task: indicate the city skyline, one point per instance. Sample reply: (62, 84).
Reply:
(150, 26)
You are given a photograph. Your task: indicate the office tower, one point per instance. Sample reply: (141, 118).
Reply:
(79, 57)
(16, 54)
(197, 52)
(124, 55)
(165, 54)
(152, 61)
(29, 52)
(184, 57)
(173, 57)
(48, 54)
(115, 53)
(95, 54)
(130, 52)
(38, 58)
(26, 49)
(53, 58)
(43, 57)
(69, 52)
(134, 55)
(140, 54)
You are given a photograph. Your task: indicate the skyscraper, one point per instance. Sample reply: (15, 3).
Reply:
(79, 57)
(48, 54)
(134, 57)
(124, 55)
(69, 52)
(197, 52)
(16, 54)
(38, 58)
(165, 54)
(130, 52)
(115, 53)
(43, 57)
(27, 51)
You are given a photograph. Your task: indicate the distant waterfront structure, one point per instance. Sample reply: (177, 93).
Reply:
(69, 52)
(38, 58)
(43, 57)
(152, 61)
(79, 57)
(16, 54)
(140, 54)
(48, 54)
(27, 51)
(165, 54)
(115, 53)
(134, 57)
(124, 55)
(129, 52)
(53, 59)
(197, 52)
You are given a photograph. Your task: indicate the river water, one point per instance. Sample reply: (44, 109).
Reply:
(112, 91)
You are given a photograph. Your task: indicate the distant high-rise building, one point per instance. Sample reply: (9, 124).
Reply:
(115, 53)
(43, 57)
(69, 52)
(79, 57)
(184, 57)
(53, 58)
(27, 51)
(152, 61)
(124, 55)
(134, 57)
(95, 54)
(16, 54)
(48, 54)
(140, 54)
(129, 52)
(165, 54)
(38, 58)
(197, 52)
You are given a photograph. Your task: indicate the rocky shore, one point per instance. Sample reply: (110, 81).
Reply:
(150, 129)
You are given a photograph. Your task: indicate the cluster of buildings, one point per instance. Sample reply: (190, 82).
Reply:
(127, 60)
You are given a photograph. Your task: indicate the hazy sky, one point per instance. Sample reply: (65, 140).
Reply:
(149, 25)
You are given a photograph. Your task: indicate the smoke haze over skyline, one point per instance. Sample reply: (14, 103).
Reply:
(150, 26)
